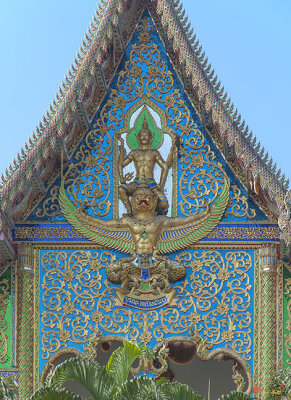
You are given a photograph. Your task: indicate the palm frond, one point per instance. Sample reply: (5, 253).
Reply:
(177, 391)
(139, 388)
(8, 388)
(145, 388)
(236, 396)
(283, 379)
(88, 373)
(121, 360)
(50, 393)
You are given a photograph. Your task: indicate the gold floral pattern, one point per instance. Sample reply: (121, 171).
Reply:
(239, 206)
(77, 310)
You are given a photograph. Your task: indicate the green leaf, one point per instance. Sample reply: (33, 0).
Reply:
(50, 393)
(236, 396)
(145, 388)
(121, 360)
(88, 373)
(177, 391)
(8, 388)
(141, 388)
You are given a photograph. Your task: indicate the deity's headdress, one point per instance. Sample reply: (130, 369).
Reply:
(145, 127)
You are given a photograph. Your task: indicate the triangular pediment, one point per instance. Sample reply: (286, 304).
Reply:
(30, 193)
(146, 82)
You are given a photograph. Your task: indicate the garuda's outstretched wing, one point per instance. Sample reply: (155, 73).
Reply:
(177, 238)
(115, 236)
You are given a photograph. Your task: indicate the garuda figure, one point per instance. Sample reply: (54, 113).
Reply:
(147, 237)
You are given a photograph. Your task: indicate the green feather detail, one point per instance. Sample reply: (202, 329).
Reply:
(101, 236)
(186, 239)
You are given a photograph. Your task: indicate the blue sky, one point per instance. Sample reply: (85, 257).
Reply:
(247, 42)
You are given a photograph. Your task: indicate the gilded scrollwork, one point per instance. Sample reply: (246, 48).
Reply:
(69, 292)
(88, 179)
(238, 205)
(50, 207)
(217, 299)
(214, 301)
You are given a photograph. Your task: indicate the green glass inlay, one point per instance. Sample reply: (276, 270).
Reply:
(157, 136)
(144, 235)
(5, 320)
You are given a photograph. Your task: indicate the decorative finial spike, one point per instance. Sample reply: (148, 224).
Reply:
(211, 74)
(3, 178)
(217, 86)
(224, 97)
(181, 15)
(274, 167)
(227, 103)
(208, 68)
(15, 165)
(205, 62)
(241, 127)
(198, 51)
(265, 159)
(187, 28)
(214, 80)
(270, 162)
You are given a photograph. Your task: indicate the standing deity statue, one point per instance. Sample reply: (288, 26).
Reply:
(144, 158)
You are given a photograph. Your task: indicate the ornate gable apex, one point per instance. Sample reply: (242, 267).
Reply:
(84, 87)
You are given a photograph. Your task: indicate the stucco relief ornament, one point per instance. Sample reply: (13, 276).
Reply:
(284, 220)
(145, 232)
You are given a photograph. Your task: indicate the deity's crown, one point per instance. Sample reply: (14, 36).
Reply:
(145, 126)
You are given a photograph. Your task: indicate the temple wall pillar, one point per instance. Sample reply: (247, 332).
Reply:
(25, 323)
(268, 320)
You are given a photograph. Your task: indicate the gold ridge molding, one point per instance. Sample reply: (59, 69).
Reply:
(66, 233)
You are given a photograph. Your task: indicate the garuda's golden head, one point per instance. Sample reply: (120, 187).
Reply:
(144, 199)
